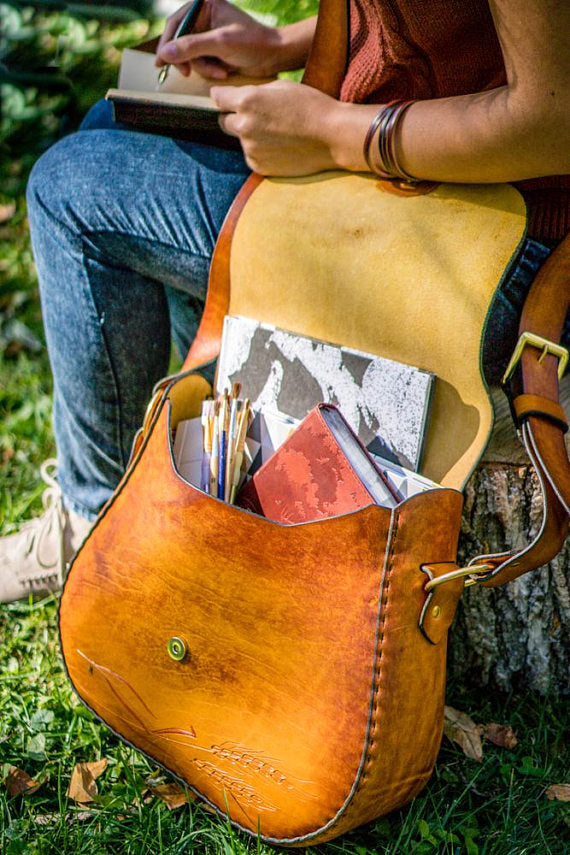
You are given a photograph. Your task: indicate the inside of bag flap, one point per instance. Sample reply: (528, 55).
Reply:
(341, 258)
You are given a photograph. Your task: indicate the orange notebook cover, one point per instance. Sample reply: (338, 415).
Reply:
(321, 470)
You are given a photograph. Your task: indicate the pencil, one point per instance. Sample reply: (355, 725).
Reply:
(240, 444)
(231, 443)
(224, 423)
(206, 445)
(215, 451)
(185, 27)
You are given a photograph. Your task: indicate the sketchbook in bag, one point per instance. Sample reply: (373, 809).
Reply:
(385, 402)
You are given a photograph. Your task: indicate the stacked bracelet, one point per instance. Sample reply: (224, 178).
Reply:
(385, 124)
(374, 167)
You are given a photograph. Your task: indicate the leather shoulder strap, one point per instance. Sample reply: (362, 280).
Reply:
(326, 66)
(532, 389)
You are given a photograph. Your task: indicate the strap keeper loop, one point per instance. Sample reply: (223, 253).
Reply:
(527, 405)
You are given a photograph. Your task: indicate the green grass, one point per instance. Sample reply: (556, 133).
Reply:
(498, 806)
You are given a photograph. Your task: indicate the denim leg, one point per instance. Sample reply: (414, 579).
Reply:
(184, 308)
(100, 117)
(116, 218)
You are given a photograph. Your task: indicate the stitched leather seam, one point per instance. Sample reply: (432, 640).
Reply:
(545, 470)
(380, 662)
(378, 674)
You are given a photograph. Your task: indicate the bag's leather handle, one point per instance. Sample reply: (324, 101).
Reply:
(206, 345)
(533, 391)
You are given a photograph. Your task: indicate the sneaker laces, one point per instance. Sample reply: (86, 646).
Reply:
(51, 524)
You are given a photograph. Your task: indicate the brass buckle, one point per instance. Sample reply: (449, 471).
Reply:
(545, 345)
(457, 574)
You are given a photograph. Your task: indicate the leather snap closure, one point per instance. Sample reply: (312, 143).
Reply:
(177, 648)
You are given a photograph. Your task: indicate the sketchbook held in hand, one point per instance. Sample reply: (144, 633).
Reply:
(179, 107)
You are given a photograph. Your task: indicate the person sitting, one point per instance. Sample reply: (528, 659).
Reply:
(123, 224)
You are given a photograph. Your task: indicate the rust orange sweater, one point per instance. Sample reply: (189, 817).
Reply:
(423, 49)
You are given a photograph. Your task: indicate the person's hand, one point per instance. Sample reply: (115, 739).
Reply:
(225, 41)
(287, 128)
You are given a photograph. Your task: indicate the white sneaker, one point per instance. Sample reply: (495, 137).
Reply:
(34, 560)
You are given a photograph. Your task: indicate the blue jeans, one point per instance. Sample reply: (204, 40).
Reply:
(123, 227)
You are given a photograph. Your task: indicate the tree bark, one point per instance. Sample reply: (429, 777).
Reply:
(516, 637)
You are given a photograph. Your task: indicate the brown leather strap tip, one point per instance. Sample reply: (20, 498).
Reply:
(440, 604)
(541, 407)
(206, 344)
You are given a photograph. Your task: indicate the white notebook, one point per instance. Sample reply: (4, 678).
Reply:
(385, 402)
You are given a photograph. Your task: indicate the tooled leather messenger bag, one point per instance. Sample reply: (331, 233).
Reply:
(306, 693)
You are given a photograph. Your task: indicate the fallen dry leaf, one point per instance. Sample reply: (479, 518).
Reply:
(19, 783)
(172, 795)
(144, 797)
(559, 792)
(460, 728)
(82, 787)
(500, 734)
(122, 817)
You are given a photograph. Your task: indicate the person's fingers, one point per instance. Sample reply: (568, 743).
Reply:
(211, 68)
(229, 123)
(211, 43)
(238, 106)
(230, 98)
(167, 34)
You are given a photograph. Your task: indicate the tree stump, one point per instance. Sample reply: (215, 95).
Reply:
(516, 637)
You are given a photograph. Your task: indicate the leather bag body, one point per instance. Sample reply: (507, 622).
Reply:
(308, 701)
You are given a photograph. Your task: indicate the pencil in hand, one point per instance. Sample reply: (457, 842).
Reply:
(185, 27)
